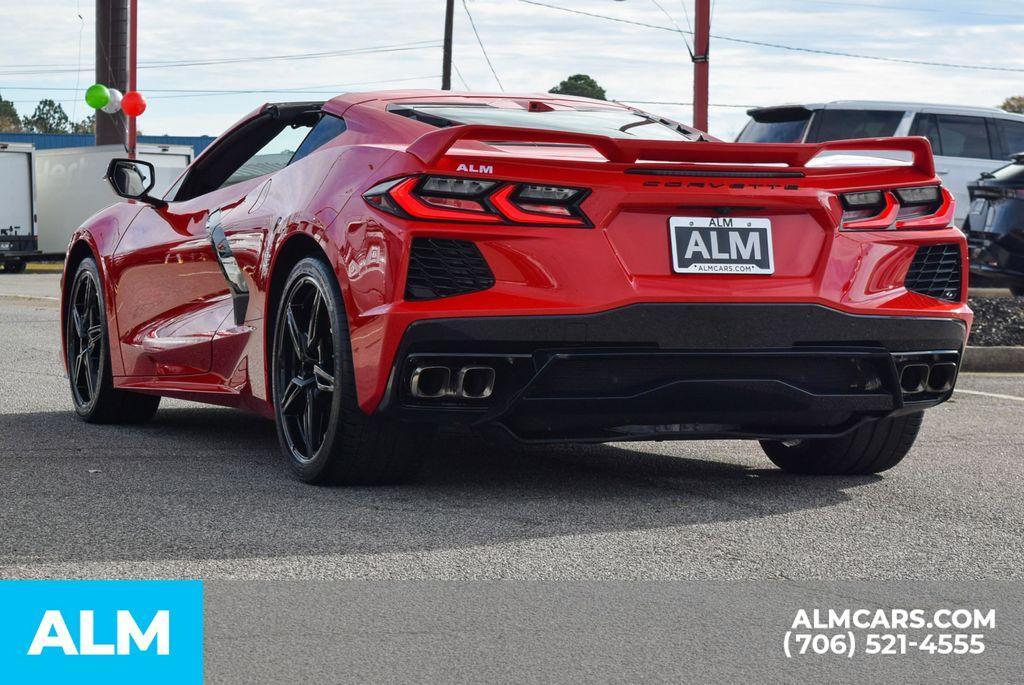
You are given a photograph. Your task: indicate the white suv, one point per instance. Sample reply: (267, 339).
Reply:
(967, 141)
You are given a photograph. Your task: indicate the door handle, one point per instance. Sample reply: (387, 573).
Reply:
(942, 172)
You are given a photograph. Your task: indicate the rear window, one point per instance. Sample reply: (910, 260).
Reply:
(1011, 172)
(964, 137)
(616, 123)
(1013, 135)
(843, 124)
(776, 125)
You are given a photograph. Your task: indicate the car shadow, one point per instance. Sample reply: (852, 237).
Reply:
(200, 483)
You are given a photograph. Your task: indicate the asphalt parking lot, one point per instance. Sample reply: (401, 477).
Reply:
(204, 492)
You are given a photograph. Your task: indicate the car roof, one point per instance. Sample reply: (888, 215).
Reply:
(897, 105)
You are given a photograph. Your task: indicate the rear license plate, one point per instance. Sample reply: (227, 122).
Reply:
(721, 245)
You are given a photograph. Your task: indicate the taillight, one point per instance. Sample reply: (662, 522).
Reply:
(445, 198)
(902, 208)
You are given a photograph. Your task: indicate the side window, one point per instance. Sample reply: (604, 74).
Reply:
(843, 124)
(327, 129)
(1013, 135)
(272, 157)
(928, 126)
(964, 137)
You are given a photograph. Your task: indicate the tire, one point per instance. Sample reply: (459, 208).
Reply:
(872, 448)
(325, 436)
(15, 266)
(88, 357)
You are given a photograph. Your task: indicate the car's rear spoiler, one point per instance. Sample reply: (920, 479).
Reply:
(432, 146)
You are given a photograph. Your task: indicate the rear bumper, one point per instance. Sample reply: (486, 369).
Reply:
(676, 371)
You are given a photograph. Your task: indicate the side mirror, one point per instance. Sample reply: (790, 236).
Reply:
(133, 179)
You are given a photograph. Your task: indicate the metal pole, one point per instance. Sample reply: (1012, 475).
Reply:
(133, 60)
(111, 64)
(446, 66)
(701, 44)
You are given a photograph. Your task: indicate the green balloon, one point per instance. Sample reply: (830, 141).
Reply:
(97, 96)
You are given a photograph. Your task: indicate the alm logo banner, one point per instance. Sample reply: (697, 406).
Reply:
(101, 631)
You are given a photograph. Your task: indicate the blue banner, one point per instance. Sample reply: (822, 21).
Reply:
(101, 631)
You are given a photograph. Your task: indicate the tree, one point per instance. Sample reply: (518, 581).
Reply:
(49, 117)
(86, 125)
(1014, 104)
(581, 85)
(9, 120)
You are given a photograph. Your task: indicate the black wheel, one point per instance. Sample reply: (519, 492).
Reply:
(88, 357)
(323, 432)
(872, 448)
(15, 266)
(1017, 290)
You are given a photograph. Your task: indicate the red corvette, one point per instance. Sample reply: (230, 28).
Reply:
(537, 268)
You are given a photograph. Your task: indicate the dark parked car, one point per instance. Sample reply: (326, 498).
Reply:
(995, 227)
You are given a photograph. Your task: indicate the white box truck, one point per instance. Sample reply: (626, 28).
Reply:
(72, 187)
(17, 206)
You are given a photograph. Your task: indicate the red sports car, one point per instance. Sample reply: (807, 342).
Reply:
(539, 268)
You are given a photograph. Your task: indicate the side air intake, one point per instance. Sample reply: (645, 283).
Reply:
(441, 267)
(935, 272)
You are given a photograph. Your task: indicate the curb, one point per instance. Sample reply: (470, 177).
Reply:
(996, 359)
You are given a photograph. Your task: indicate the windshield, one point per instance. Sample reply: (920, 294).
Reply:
(615, 123)
(776, 125)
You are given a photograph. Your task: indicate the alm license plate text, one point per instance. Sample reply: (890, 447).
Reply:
(721, 245)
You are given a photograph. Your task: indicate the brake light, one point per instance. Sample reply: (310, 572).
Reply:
(444, 198)
(902, 208)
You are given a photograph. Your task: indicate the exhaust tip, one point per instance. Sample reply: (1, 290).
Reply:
(914, 378)
(430, 382)
(475, 382)
(941, 377)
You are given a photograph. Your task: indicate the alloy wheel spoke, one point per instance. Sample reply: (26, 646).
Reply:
(324, 380)
(76, 319)
(89, 381)
(296, 337)
(76, 370)
(292, 394)
(310, 420)
(313, 330)
(94, 335)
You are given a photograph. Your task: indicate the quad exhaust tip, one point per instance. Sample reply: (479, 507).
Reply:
(467, 382)
(941, 377)
(914, 378)
(934, 378)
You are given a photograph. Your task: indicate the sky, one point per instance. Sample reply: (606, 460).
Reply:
(396, 44)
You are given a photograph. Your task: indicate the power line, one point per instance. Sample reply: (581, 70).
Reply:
(907, 8)
(420, 45)
(309, 90)
(673, 22)
(779, 46)
(459, 74)
(482, 48)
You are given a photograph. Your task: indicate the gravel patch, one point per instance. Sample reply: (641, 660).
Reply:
(997, 321)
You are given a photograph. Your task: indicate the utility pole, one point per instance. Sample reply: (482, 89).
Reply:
(446, 66)
(111, 64)
(701, 44)
(133, 63)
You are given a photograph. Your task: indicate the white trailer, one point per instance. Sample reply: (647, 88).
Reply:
(17, 205)
(72, 187)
